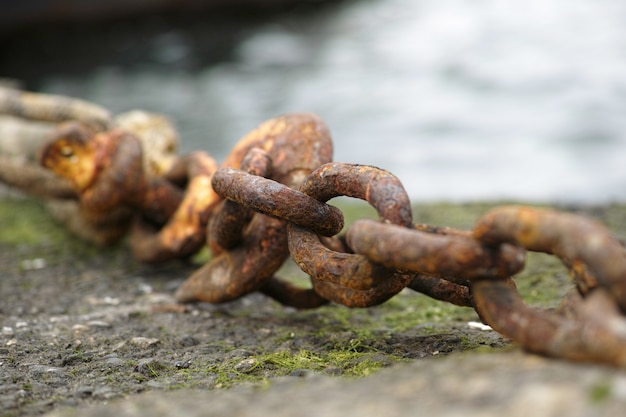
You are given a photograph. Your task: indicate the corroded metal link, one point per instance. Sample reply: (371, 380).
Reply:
(106, 171)
(185, 231)
(227, 224)
(597, 334)
(347, 270)
(590, 329)
(351, 279)
(380, 188)
(297, 144)
(456, 257)
(34, 179)
(591, 253)
(247, 248)
(443, 290)
(100, 178)
(52, 108)
(257, 162)
(241, 270)
(356, 298)
(159, 202)
(445, 259)
(278, 200)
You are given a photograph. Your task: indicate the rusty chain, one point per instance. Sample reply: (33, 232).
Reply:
(267, 201)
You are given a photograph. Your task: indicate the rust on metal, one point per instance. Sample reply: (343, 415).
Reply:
(278, 200)
(356, 298)
(106, 170)
(295, 144)
(242, 269)
(591, 253)
(228, 222)
(247, 248)
(351, 279)
(226, 226)
(457, 257)
(442, 289)
(184, 233)
(72, 154)
(588, 337)
(380, 188)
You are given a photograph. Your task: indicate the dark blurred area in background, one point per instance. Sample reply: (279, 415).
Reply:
(43, 37)
(456, 98)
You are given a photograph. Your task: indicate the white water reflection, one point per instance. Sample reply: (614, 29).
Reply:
(463, 100)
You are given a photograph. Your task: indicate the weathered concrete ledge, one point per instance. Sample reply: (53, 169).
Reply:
(510, 384)
(88, 331)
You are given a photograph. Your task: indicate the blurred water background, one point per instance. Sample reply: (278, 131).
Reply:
(463, 100)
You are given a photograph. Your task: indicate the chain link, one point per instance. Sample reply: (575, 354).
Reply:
(268, 201)
(52, 108)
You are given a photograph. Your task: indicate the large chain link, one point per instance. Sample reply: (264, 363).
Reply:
(268, 201)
